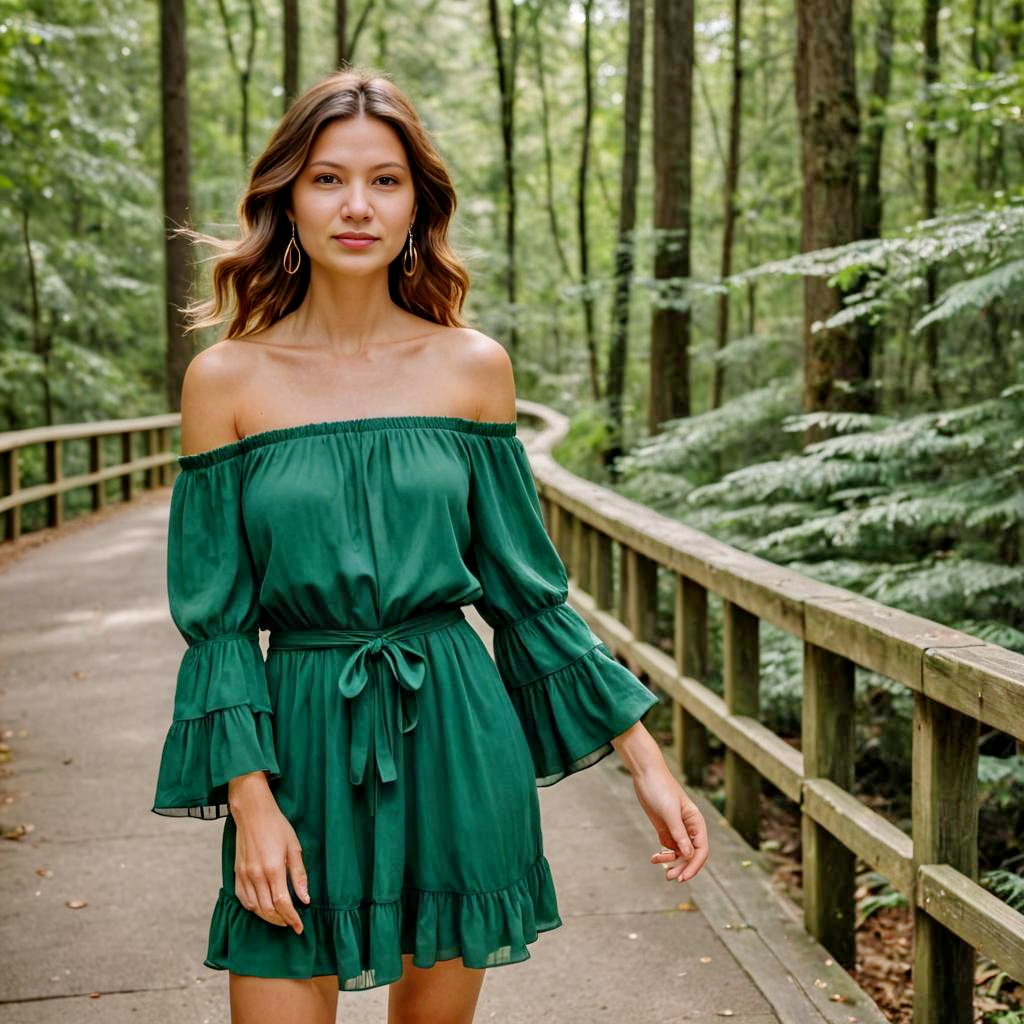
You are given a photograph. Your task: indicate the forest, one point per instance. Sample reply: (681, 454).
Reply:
(766, 254)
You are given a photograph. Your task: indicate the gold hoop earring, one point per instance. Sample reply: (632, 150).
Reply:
(410, 253)
(292, 261)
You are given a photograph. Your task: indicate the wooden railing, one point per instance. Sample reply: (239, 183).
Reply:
(155, 464)
(957, 680)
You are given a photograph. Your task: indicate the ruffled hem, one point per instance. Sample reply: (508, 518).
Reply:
(201, 755)
(363, 944)
(571, 715)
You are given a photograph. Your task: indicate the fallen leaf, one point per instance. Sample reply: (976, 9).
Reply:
(44, 872)
(705, 959)
(724, 1013)
(76, 904)
(685, 906)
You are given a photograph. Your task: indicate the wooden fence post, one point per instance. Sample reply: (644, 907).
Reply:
(98, 489)
(945, 831)
(689, 735)
(742, 697)
(827, 741)
(54, 474)
(11, 483)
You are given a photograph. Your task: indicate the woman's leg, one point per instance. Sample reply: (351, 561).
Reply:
(443, 994)
(283, 1000)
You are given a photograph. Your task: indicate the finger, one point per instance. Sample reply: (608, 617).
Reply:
(283, 902)
(682, 841)
(300, 880)
(244, 892)
(265, 899)
(698, 861)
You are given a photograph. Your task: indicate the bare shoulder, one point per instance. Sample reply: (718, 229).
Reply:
(209, 391)
(486, 367)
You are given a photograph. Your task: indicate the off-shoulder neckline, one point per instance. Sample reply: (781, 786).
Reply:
(276, 435)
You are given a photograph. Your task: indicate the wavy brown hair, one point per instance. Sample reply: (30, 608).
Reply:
(250, 287)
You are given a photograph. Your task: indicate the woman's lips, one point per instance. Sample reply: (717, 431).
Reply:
(355, 243)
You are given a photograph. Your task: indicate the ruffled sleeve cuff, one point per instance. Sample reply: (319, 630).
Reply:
(222, 727)
(571, 694)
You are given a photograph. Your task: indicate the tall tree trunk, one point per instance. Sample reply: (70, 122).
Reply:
(243, 69)
(732, 167)
(176, 190)
(292, 37)
(536, 10)
(341, 31)
(870, 204)
(586, 297)
(345, 43)
(836, 369)
(42, 341)
(930, 31)
(505, 54)
(672, 148)
(632, 118)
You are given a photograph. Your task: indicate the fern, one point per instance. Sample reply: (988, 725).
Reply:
(974, 293)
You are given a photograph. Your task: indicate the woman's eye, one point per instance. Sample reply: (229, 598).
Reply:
(382, 177)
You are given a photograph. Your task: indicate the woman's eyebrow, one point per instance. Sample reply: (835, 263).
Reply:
(342, 167)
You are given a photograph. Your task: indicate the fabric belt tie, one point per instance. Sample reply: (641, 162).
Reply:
(375, 710)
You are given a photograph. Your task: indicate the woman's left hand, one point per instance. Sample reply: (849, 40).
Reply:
(678, 823)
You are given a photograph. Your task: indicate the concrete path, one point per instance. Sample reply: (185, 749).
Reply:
(88, 656)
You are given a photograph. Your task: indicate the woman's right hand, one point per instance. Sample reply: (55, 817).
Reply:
(267, 850)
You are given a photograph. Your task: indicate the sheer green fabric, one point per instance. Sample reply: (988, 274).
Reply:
(405, 757)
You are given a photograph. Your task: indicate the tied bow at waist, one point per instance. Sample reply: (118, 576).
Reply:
(375, 711)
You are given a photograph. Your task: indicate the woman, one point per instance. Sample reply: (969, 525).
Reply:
(350, 477)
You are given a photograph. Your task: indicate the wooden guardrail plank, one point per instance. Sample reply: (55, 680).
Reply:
(876, 840)
(983, 680)
(886, 640)
(981, 919)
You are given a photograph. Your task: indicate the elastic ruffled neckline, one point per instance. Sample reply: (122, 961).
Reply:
(276, 435)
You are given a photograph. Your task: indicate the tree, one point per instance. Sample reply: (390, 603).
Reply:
(624, 249)
(176, 188)
(672, 144)
(836, 365)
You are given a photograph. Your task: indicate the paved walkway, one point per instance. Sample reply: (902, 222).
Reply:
(88, 656)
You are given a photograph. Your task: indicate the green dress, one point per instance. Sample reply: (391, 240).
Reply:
(404, 756)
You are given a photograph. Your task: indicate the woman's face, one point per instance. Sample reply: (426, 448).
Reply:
(356, 179)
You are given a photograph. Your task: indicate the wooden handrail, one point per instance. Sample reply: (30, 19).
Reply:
(958, 681)
(157, 465)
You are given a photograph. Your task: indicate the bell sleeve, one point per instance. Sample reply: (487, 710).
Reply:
(221, 725)
(570, 693)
